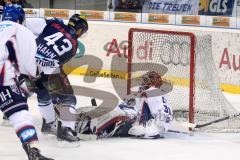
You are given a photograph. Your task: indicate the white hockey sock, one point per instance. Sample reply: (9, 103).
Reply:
(47, 112)
(19, 119)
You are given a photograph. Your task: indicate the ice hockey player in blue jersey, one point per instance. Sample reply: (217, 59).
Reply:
(16, 43)
(57, 44)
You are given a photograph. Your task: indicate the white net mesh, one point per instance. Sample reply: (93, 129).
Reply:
(160, 50)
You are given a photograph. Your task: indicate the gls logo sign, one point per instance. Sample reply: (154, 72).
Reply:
(216, 7)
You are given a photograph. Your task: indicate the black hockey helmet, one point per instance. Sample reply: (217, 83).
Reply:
(78, 22)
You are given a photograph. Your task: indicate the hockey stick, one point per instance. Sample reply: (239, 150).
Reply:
(191, 125)
(176, 131)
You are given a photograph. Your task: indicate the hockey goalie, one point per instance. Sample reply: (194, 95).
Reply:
(145, 114)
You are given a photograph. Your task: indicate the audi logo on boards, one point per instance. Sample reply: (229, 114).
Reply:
(176, 53)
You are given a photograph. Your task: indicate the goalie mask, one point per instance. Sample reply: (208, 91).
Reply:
(151, 79)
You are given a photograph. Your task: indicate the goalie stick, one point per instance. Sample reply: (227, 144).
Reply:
(192, 125)
(181, 132)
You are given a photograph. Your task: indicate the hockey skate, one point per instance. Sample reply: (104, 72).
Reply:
(66, 134)
(137, 130)
(151, 130)
(34, 153)
(49, 128)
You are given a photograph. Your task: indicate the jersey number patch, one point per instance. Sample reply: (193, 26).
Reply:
(52, 39)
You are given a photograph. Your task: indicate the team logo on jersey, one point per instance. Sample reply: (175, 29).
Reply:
(15, 89)
(27, 134)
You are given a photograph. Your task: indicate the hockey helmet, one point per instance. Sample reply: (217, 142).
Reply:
(13, 13)
(79, 23)
(151, 78)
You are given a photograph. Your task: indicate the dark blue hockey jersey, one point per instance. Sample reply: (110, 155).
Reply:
(57, 44)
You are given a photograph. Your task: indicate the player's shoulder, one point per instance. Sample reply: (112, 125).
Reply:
(22, 30)
(55, 20)
(7, 30)
(155, 92)
(35, 20)
(36, 25)
(21, 27)
(8, 25)
(55, 23)
(61, 27)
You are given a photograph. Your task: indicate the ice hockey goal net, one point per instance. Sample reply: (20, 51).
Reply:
(184, 61)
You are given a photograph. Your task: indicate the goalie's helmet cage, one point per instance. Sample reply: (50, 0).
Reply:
(151, 79)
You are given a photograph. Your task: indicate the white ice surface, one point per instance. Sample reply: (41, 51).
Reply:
(201, 146)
